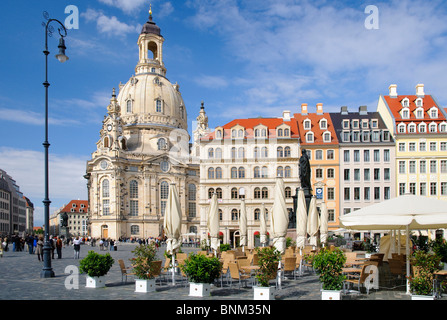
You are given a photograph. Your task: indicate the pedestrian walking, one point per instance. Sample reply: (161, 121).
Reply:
(1, 248)
(59, 245)
(39, 249)
(77, 247)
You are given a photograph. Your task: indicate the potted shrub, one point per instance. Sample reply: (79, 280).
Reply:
(144, 268)
(421, 283)
(268, 258)
(96, 266)
(201, 272)
(328, 265)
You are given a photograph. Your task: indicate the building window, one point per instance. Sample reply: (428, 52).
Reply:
(279, 172)
(318, 154)
(401, 188)
(287, 172)
(133, 206)
(386, 193)
(218, 173)
(347, 194)
(376, 193)
(330, 173)
(105, 207)
(257, 193)
(412, 188)
(219, 193)
(386, 174)
(134, 230)
(432, 146)
(310, 137)
(241, 172)
(256, 172)
(433, 166)
(422, 166)
(233, 173)
(347, 175)
(366, 193)
(129, 106)
(412, 128)
(164, 193)
(234, 215)
(346, 155)
(331, 193)
(422, 146)
(402, 167)
(376, 155)
(105, 188)
(366, 174)
(288, 192)
(330, 154)
(210, 193)
(366, 155)
(279, 152)
(158, 106)
(287, 152)
(241, 153)
(319, 173)
(356, 193)
(422, 189)
(386, 155)
(265, 193)
(264, 152)
(161, 144)
(234, 193)
(356, 155)
(327, 137)
(210, 173)
(133, 189)
(433, 187)
(443, 166)
(356, 174)
(443, 188)
(256, 153)
(376, 174)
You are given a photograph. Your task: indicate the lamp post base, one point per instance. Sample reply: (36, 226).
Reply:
(47, 273)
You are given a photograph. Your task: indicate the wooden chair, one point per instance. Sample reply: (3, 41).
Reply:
(235, 274)
(157, 269)
(290, 266)
(397, 269)
(360, 280)
(377, 257)
(124, 270)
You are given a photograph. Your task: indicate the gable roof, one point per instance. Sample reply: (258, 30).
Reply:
(69, 208)
(315, 128)
(395, 106)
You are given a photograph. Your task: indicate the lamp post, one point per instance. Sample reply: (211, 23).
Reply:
(47, 270)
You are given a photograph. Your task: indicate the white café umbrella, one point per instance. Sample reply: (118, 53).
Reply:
(172, 225)
(312, 222)
(213, 223)
(301, 220)
(279, 218)
(263, 231)
(243, 225)
(279, 222)
(406, 212)
(323, 223)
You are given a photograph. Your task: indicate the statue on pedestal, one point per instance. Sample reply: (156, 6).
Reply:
(304, 170)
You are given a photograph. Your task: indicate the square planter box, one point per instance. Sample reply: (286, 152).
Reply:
(144, 285)
(418, 297)
(95, 282)
(330, 295)
(263, 293)
(199, 289)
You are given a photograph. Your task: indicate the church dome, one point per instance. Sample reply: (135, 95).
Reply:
(150, 99)
(151, 27)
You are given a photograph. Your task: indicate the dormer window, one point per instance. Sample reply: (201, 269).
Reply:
(218, 134)
(355, 136)
(375, 123)
(279, 132)
(327, 137)
(419, 113)
(355, 124)
(310, 137)
(433, 113)
(422, 128)
(364, 124)
(443, 127)
(432, 127)
(286, 132)
(345, 124)
(405, 102)
(240, 133)
(365, 136)
(323, 124)
(307, 124)
(412, 128)
(401, 128)
(405, 113)
(419, 102)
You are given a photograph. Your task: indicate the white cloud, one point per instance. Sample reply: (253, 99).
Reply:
(31, 117)
(110, 25)
(127, 6)
(211, 82)
(279, 44)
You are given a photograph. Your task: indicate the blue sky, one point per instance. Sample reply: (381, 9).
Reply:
(243, 58)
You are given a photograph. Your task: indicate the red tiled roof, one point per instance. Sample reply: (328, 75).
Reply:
(395, 105)
(250, 123)
(315, 128)
(68, 208)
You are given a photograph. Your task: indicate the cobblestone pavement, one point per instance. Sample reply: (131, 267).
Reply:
(20, 280)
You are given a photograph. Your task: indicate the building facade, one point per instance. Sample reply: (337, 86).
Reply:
(142, 150)
(12, 206)
(319, 139)
(419, 126)
(367, 159)
(240, 161)
(77, 211)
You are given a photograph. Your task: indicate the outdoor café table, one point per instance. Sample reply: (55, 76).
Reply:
(439, 275)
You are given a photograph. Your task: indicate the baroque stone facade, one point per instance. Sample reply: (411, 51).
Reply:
(142, 150)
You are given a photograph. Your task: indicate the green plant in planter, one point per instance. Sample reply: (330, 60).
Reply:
(328, 265)
(225, 247)
(142, 262)
(426, 264)
(439, 247)
(95, 264)
(202, 269)
(268, 259)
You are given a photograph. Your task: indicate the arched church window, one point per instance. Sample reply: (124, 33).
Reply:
(106, 142)
(129, 106)
(164, 192)
(105, 188)
(161, 144)
(158, 106)
(133, 189)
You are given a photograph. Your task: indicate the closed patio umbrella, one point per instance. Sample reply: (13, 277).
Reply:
(323, 223)
(263, 231)
(243, 225)
(279, 217)
(213, 223)
(301, 220)
(312, 222)
(172, 225)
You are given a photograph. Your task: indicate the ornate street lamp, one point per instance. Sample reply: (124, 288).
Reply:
(47, 271)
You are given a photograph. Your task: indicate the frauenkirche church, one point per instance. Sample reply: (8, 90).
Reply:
(142, 150)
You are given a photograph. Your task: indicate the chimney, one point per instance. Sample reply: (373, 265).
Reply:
(286, 115)
(344, 110)
(319, 108)
(420, 91)
(393, 91)
(363, 110)
(304, 109)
